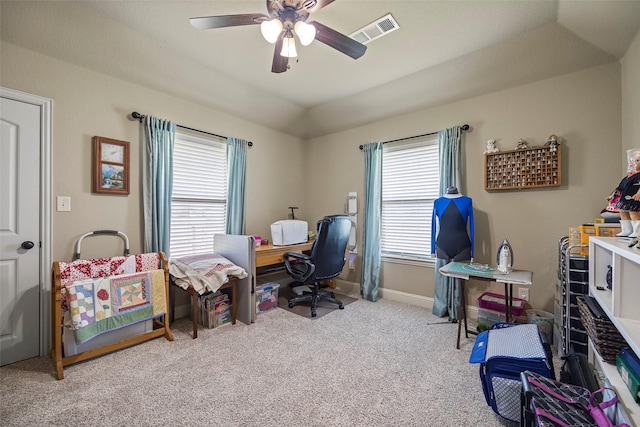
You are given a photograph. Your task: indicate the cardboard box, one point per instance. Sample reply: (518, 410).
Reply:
(266, 297)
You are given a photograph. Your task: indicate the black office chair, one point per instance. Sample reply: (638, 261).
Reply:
(325, 262)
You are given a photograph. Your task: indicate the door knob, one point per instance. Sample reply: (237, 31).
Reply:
(27, 245)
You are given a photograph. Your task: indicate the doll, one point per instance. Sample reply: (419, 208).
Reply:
(628, 192)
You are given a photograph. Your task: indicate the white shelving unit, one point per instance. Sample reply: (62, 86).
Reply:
(621, 304)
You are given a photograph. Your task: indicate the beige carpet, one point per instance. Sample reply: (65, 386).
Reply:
(371, 364)
(304, 309)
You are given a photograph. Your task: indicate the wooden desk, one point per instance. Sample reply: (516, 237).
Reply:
(466, 271)
(269, 254)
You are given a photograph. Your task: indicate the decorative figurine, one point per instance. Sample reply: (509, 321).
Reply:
(553, 143)
(491, 147)
(522, 144)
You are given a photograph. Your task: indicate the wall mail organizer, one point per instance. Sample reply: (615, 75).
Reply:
(524, 168)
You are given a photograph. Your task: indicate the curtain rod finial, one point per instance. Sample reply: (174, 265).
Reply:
(137, 116)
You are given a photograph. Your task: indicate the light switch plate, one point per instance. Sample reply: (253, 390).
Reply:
(63, 204)
(523, 293)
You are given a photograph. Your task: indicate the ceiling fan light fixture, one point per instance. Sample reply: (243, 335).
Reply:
(306, 32)
(285, 22)
(289, 46)
(271, 30)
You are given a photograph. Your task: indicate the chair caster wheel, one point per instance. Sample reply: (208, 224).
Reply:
(341, 307)
(313, 313)
(290, 305)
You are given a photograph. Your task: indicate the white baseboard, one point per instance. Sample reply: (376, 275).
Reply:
(347, 287)
(184, 310)
(393, 295)
(413, 299)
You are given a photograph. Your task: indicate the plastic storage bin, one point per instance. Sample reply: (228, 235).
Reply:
(487, 317)
(496, 302)
(544, 320)
(266, 297)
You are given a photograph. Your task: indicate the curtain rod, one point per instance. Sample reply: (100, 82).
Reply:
(464, 127)
(141, 117)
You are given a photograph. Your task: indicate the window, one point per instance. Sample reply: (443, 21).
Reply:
(199, 198)
(410, 184)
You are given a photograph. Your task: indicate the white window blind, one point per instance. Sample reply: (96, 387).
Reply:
(410, 184)
(199, 198)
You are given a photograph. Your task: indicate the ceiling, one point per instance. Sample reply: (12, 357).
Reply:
(444, 51)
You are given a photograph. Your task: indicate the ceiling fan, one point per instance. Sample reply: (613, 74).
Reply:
(286, 18)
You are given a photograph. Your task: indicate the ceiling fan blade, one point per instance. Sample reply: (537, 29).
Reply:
(280, 62)
(210, 22)
(315, 5)
(339, 41)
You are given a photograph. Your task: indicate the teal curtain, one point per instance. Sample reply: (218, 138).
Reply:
(447, 294)
(157, 183)
(371, 229)
(449, 141)
(237, 172)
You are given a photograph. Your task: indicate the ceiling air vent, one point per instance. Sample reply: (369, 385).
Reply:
(380, 27)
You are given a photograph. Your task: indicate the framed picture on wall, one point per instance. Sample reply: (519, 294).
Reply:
(110, 166)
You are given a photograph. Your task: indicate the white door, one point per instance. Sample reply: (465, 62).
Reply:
(20, 248)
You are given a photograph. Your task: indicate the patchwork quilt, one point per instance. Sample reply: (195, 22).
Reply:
(104, 294)
(103, 304)
(101, 267)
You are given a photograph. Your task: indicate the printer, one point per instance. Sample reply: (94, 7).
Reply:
(289, 232)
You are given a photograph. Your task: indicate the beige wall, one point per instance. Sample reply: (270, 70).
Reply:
(582, 108)
(86, 103)
(631, 96)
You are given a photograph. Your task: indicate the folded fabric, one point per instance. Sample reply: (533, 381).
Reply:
(204, 272)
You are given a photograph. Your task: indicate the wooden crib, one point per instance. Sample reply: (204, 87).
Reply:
(139, 288)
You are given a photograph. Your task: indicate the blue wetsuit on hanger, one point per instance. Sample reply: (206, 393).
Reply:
(449, 237)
